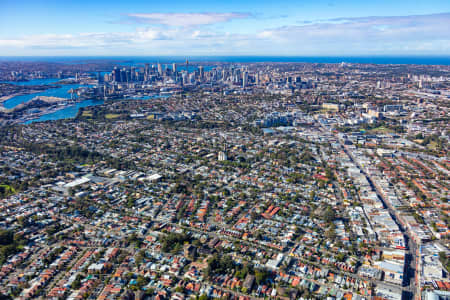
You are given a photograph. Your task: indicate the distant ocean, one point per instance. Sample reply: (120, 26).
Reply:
(132, 60)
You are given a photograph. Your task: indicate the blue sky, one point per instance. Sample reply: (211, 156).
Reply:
(291, 28)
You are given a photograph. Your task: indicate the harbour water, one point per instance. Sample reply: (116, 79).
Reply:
(67, 112)
(62, 92)
(40, 81)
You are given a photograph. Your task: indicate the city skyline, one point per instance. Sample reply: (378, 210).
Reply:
(322, 28)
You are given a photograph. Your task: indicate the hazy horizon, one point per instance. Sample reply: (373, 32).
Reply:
(181, 59)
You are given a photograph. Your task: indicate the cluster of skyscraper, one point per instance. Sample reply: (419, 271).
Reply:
(172, 73)
(188, 75)
(151, 73)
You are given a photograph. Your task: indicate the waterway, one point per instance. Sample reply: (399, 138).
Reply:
(67, 112)
(33, 82)
(61, 92)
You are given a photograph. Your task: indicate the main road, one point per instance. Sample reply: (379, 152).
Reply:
(410, 272)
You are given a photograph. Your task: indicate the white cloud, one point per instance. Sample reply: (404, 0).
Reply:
(369, 35)
(404, 35)
(186, 19)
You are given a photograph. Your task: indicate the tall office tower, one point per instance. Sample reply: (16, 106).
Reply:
(174, 68)
(140, 76)
(136, 75)
(99, 77)
(244, 79)
(184, 77)
(191, 78)
(133, 74)
(123, 75)
(146, 70)
(257, 79)
(237, 72)
(237, 76)
(200, 70)
(116, 75)
(187, 66)
(159, 69)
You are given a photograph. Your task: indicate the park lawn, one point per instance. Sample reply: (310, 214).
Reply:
(112, 116)
(432, 145)
(87, 113)
(381, 129)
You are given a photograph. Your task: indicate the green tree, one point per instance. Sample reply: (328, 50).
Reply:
(261, 275)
